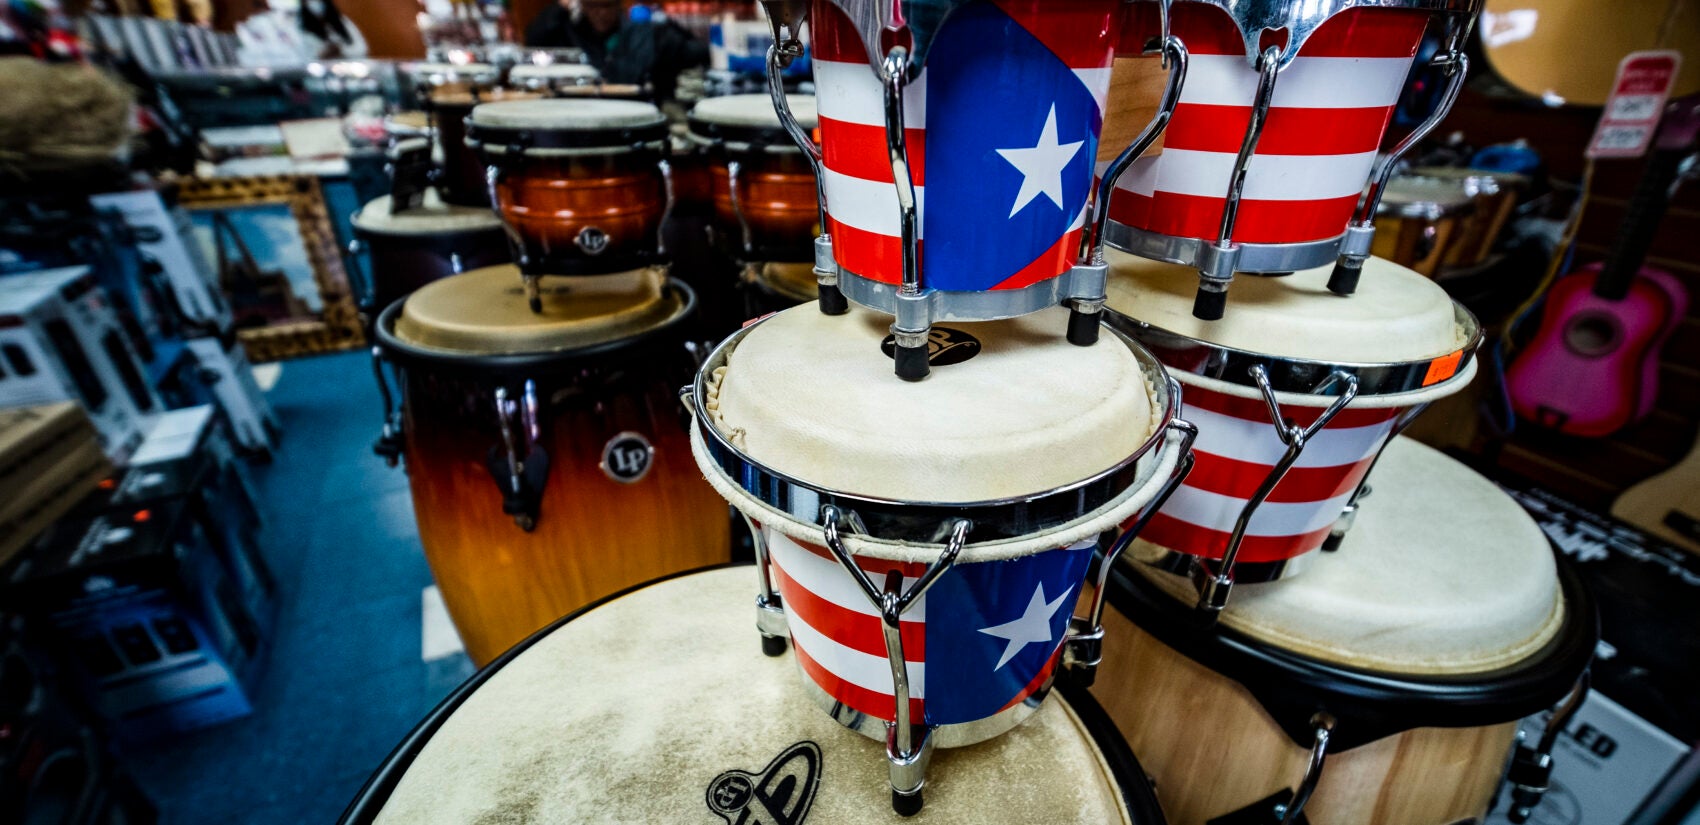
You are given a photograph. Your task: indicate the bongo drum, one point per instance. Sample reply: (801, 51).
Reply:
(462, 178)
(414, 247)
(922, 549)
(545, 449)
(1422, 219)
(987, 122)
(582, 185)
(1385, 686)
(1494, 196)
(650, 707)
(552, 77)
(1294, 395)
(1265, 159)
(765, 200)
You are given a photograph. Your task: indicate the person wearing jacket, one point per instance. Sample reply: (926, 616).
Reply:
(623, 50)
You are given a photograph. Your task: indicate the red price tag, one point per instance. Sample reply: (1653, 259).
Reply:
(1631, 115)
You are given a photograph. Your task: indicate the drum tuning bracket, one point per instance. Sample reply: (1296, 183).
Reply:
(1530, 773)
(787, 19)
(1083, 648)
(908, 742)
(770, 610)
(520, 465)
(390, 442)
(1214, 579)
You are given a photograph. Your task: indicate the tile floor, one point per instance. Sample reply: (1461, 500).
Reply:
(346, 679)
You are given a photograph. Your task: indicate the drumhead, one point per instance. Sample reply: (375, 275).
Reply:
(754, 111)
(1010, 409)
(461, 97)
(1396, 315)
(432, 217)
(553, 71)
(485, 311)
(449, 72)
(653, 705)
(566, 115)
(1441, 574)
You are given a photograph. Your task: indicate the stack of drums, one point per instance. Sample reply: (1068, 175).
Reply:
(413, 247)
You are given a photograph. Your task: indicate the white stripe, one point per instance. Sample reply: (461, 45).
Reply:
(828, 580)
(1256, 441)
(851, 92)
(870, 206)
(1219, 512)
(1271, 178)
(863, 670)
(1097, 81)
(1140, 177)
(1309, 83)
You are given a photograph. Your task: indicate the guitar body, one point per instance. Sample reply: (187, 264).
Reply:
(1668, 504)
(1592, 368)
(1567, 51)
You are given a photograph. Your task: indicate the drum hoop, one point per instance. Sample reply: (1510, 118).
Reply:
(1131, 779)
(918, 522)
(1302, 376)
(404, 353)
(741, 138)
(1301, 20)
(1370, 705)
(966, 305)
(501, 140)
(436, 240)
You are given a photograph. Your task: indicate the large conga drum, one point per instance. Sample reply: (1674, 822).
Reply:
(765, 199)
(406, 250)
(546, 450)
(653, 707)
(1387, 683)
(1349, 372)
(583, 185)
(942, 529)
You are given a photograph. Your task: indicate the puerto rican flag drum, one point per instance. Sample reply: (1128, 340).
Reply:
(952, 549)
(1401, 343)
(1001, 127)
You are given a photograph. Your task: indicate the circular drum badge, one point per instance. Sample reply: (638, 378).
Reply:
(627, 457)
(945, 346)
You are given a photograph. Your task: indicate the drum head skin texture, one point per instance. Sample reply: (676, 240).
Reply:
(641, 709)
(1010, 409)
(484, 312)
(554, 71)
(1442, 573)
(755, 110)
(1396, 315)
(431, 217)
(567, 115)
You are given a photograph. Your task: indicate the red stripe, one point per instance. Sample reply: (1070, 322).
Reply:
(868, 254)
(857, 631)
(1240, 479)
(1193, 540)
(1196, 216)
(1081, 33)
(876, 567)
(859, 151)
(1050, 263)
(1352, 33)
(871, 702)
(832, 37)
(1253, 409)
(1038, 682)
(1290, 131)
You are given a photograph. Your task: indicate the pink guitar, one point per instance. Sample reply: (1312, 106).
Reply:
(1592, 368)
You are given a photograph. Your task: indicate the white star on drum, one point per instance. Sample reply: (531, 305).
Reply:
(1034, 626)
(1042, 165)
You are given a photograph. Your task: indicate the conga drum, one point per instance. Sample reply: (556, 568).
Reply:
(582, 185)
(545, 450)
(1297, 388)
(551, 77)
(764, 194)
(1386, 684)
(408, 249)
(952, 547)
(462, 177)
(652, 707)
(771, 287)
(1422, 218)
(1275, 134)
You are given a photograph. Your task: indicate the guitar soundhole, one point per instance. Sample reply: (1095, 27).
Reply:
(1593, 334)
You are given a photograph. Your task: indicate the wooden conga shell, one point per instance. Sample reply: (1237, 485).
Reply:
(1136, 87)
(550, 200)
(778, 198)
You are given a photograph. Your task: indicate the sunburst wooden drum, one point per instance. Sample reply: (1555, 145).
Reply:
(766, 205)
(1441, 620)
(546, 450)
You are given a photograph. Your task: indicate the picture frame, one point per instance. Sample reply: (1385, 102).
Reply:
(275, 256)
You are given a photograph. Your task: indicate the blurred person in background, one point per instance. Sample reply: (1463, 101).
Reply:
(625, 48)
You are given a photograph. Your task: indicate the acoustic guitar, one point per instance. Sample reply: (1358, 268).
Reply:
(1592, 367)
(1565, 52)
(1668, 504)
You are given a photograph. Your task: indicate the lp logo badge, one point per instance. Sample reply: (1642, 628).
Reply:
(627, 457)
(780, 795)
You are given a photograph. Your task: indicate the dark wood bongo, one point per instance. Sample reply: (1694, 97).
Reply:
(410, 249)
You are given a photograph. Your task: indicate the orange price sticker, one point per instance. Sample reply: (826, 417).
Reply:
(1442, 368)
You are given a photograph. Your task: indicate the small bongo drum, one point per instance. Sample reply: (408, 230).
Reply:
(1421, 219)
(582, 185)
(462, 178)
(1294, 396)
(651, 707)
(408, 249)
(552, 77)
(765, 198)
(951, 548)
(1494, 195)
(1276, 131)
(1384, 687)
(545, 449)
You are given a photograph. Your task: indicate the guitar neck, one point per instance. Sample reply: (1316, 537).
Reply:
(1640, 224)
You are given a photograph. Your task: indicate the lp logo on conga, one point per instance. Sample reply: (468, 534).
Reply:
(945, 346)
(780, 795)
(627, 457)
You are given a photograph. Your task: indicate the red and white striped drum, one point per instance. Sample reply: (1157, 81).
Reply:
(1291, 356)
(1275, 134)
